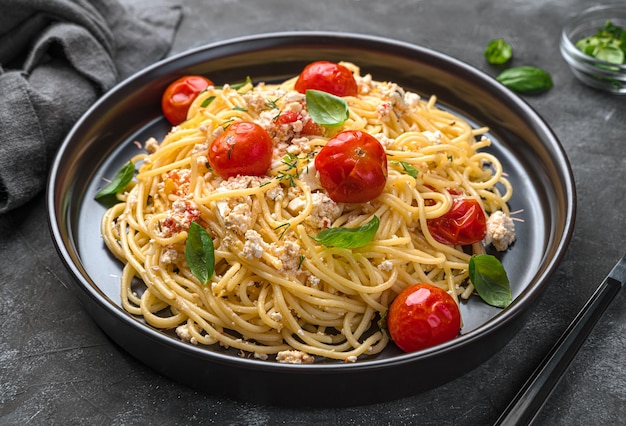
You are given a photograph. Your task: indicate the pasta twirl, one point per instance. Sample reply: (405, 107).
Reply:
(276, 290)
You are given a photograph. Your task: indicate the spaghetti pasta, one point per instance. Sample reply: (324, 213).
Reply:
(275, 290)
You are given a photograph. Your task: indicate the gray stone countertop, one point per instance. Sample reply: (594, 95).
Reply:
(58, 367)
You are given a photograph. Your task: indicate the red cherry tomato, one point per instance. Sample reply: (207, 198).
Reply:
(421, 316)
(328, 77)
(465, 223)
(309, 127)
(180, 94)
(352, 167)
(244, 148)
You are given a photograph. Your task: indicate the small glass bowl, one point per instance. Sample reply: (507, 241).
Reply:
(591, 71)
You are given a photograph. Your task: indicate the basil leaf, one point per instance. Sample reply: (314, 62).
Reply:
(526, 79)
(411, 171)
(498, 52)
(199, 252)
(238, 86)
(119, 182)
(349, 237)
(490, 280)
(608, 44)
(612, 54)
(326, 109)
(205, 103)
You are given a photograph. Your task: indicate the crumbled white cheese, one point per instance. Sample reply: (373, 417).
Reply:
(324, 212)
(183, 333)
(411, 99)
(168, 255)
(433, 137)
(294, 357)
(276, 316)
(289, 255)
(200, 148)
(310, 176)
(383, 110)
(276, 193)
(500, 231)
(365, 84)
(299, 145)
(255, 101)
(313, 281)
(239, 218)
(296, 205)
(385, 265)
(151, 145)
(254, 246)
(384, 140)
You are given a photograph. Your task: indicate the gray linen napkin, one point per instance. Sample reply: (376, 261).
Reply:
(56, 58)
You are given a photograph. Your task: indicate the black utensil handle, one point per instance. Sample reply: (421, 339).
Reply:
(532, 396)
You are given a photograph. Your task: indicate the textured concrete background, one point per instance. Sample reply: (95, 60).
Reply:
(57, 367)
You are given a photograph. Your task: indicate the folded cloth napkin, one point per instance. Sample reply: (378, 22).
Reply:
(56, 58)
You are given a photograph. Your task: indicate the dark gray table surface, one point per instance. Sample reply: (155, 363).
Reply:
(57, 367)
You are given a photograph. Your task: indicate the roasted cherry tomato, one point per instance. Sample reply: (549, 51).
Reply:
(328, 77)
(309, 127)
(465, 223)
(352, 167)
(244, 148)
(180, 94)
(421, 316)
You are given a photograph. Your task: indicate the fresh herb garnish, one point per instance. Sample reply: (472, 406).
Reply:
(284, 227)
(526, 79)
(120, 181)
(348, 237)
(238, 86)
(608, 44)
(498, 52)
(199, 252)
(326, 109)
(272, 104)
(205, 103)
(411, 171)
(291, 172)
(490, 280)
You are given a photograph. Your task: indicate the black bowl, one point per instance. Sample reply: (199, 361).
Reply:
(102, 141)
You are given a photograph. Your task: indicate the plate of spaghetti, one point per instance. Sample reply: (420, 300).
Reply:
(262, 239)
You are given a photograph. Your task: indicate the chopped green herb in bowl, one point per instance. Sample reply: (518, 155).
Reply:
(593, 43)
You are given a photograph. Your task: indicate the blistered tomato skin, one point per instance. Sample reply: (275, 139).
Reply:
(180, 94)
(328, 77)
(465, 223)
(422, 316)
(244, 148)
(352, 167)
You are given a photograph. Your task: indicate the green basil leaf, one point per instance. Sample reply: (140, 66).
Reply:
(612, 30)
(119, 182)
(526, 79)
(207, 101)
(490, 280)
(411, 171)
(326, 109)
(238, 86)
(199, 252)
(608, 44)
(610, 53)
(349, 237)
(498, 52)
